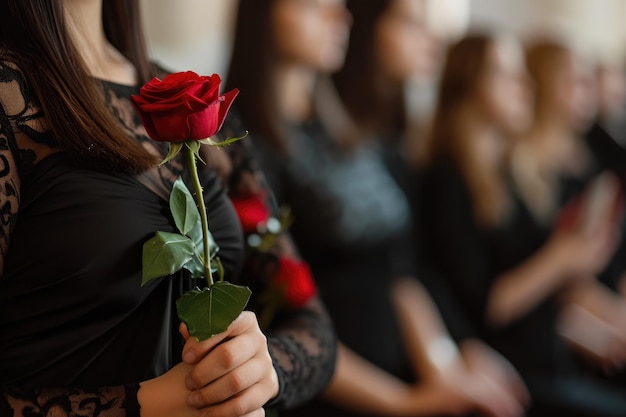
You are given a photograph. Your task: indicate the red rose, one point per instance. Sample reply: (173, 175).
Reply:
(251, 211)
(183, 106)
(294, 278)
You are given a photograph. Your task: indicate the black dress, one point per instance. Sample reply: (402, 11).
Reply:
(609, 154)
(76, 327)
(470, 258)
(353, 225)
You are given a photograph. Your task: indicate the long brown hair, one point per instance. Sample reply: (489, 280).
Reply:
(465, 65)
(357, 81)
(34, 35)
(543, 58)
(251, 70)
(537, 168)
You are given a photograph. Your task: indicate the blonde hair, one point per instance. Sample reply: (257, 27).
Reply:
(535, 168)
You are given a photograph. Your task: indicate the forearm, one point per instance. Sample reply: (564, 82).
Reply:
(303, 348)
(518, 291)
(430, 347)
(360, 386)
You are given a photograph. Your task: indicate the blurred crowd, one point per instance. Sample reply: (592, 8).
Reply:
(473, 261)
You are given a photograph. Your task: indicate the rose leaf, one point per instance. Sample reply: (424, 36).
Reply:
(185, 211)
(209, 311)
(165, 254)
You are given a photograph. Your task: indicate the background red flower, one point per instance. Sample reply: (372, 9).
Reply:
(295, 279)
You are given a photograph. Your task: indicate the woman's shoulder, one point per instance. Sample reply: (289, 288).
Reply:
(25, 132)
(14, 88)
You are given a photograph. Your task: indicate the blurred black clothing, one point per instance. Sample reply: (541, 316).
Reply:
(609, 154)
(470, 258)
(353, 226)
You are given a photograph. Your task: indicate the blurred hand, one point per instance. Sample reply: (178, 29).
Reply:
(601, 343)
(583, 253)
(460, 392)
(232, 372)
(166, 395)
(502, 389)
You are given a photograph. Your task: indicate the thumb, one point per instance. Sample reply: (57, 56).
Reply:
(194, 350)
(184, 331)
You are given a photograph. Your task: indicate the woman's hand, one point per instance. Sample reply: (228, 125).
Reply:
(501, 385)
(584, 251)
(166, 395)
(232, 372)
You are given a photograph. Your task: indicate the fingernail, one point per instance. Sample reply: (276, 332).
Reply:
(189, 357)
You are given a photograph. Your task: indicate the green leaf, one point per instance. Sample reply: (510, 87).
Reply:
(217, 268)
(165, 254)
(185, 212)
(210, 311)
(187, 218)
(195, 267)
(225, 142)
(175, 148)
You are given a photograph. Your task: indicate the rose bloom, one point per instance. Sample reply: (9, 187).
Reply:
(183, 106)
(295, 280)
(251, 210)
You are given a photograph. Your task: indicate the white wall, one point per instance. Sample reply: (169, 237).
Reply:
(195, 34)
(596, 25)
(189, 34)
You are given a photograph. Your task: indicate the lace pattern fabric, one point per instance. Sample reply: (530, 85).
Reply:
(302, 342)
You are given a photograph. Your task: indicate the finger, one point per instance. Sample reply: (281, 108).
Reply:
(256, 413)
(238, 380)
(248, 402)
(505, 404)
(501, 407)
(228, 356)
(194, 350)
(521, 392)
(184, 332)
(516, 386)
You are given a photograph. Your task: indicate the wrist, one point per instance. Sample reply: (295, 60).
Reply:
(165, 396)
(443, 355)
(557, 259)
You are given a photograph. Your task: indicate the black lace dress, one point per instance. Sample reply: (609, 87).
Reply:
(77, 331)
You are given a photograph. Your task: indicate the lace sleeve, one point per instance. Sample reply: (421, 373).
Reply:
(23, 142)
(303, 347)
(301, 339)
(13, 114)
(104, 402)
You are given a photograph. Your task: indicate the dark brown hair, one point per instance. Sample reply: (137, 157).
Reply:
(466, 63)
(34, 35)
(357, 82)
(251, 70)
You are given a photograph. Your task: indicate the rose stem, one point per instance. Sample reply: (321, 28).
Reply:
(191, 161)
